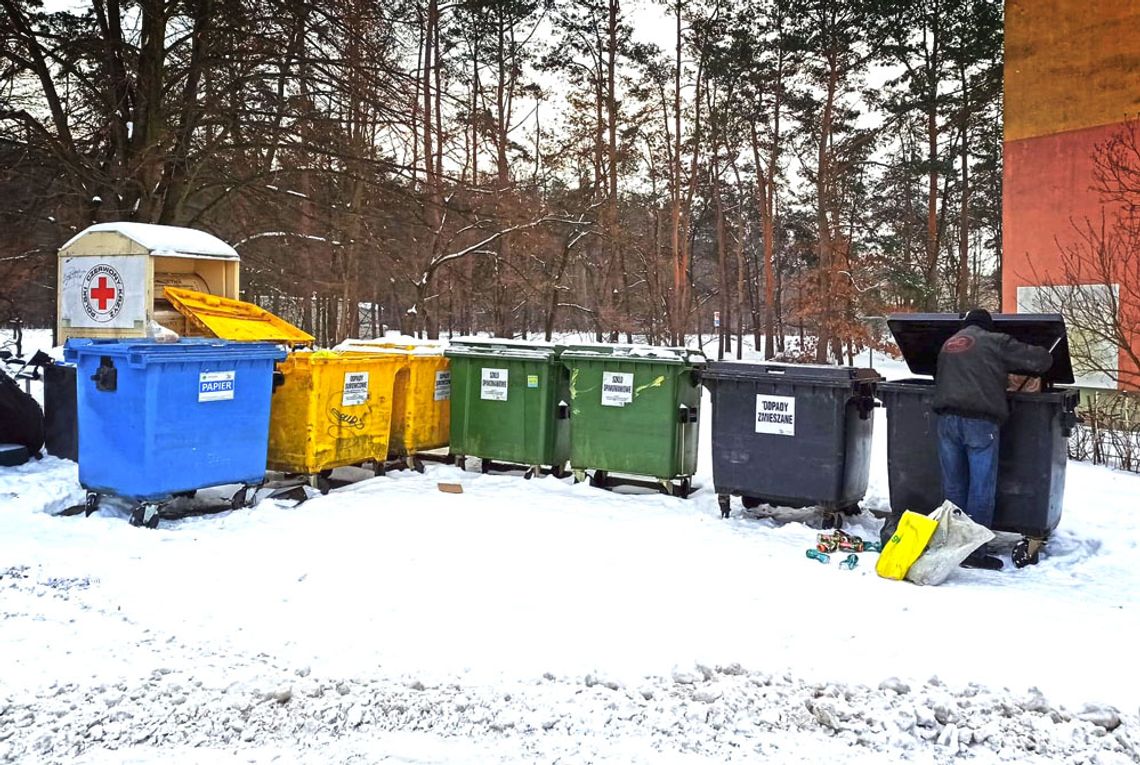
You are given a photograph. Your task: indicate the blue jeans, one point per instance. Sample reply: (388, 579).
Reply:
(968, 452)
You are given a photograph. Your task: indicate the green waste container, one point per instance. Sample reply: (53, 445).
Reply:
(634, 411)
(509, 404)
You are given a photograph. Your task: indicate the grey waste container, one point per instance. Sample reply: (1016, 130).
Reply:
(61, 425)
(792, 435)
(1034, 440)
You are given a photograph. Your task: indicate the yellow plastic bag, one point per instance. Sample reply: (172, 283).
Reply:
(907, 544)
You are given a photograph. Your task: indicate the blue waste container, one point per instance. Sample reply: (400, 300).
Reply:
(165, 419)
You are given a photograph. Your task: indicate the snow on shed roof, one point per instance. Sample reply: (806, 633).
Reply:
(161, 240)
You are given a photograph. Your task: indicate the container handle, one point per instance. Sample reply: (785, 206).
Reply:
(693, 413)
(563, 410)
(106, 377)
(1069, 419)
(775, 370)
(866, 405)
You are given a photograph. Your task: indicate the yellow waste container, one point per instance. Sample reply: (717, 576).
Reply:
(332, 409)
(421, 408)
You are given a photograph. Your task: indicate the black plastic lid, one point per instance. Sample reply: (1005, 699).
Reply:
(802, 372)
(920, 337)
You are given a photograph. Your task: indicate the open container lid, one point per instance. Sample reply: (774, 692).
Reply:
(234, 319)
(816, 373)
(920, 337)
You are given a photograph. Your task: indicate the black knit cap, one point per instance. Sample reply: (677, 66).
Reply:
(978, 317)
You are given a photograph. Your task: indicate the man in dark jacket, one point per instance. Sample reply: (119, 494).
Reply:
(969, 396)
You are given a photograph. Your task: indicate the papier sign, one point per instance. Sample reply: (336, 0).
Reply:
(355, 390)
(776, 415)
(103, 292)
(617, 388)
(216, 386)
(494, 385)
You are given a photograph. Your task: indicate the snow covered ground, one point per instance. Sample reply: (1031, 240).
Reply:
(541, 621)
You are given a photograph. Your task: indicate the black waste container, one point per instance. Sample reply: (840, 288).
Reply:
(1034, 440)
(792, 435)
(61, 425)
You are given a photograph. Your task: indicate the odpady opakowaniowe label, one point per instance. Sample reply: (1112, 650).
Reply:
(355, 389)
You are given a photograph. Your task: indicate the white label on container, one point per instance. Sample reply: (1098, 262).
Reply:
(355, 389)
(494, 385)
(442, 386)
(215, 386)
(617, 388)
(776, 415)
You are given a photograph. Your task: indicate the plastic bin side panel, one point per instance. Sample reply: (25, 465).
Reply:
(517, 426)
(1031, 464)
(1031, 471)
(321, 423)
(153, 437)
(109, 457)
(61, 416)
(560, 417)
(290, 420)
(776, 461)
(914, 475)
(200, 443)
(857, 465)
(689, 394)
(461, 372)
(642, 435)
(402, 414)
(427, 406)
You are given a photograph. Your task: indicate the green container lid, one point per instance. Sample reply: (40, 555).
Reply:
(485, 347)
(635, 353)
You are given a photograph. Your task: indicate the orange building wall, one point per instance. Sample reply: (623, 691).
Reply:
(1072, 77)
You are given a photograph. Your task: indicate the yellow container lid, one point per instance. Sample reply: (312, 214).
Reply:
(234, 319)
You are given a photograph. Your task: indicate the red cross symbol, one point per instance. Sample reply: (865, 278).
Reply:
(103, 293)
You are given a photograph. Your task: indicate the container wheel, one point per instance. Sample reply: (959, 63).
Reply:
(1027, 552)
(725, 502)
(751, 502)
(91, 504)
(417, 464)
(558, 471)
(461, 463)
(145, 514)
(579, 475)
(238, 499)
(379, 467)
(682, 488)
(321, 482)
(832, 520)
(484, 466)
(598, 479)
(529, 473)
